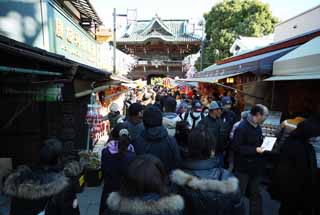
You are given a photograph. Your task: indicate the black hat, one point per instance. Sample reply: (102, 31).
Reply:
(135, 109)
(152, 117)
(197, 106)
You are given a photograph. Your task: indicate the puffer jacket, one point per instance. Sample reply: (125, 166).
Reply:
(157, 142)
(33, 190)
(207, 189)
(151, 204)
(170, 121)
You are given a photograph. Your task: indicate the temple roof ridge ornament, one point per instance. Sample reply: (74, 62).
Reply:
(152, 26)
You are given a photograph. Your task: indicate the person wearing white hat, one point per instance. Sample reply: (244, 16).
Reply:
(114, 116)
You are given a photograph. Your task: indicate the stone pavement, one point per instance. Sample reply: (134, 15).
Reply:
(89, 200)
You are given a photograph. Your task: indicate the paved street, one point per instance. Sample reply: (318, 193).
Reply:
(89, 200)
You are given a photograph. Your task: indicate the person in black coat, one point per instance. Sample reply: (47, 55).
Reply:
(156, 141)
(248, 161)
(214, 124)
(295, 180)
(206, 187)
(114, 161)
(144, 191)
(44, 188)
(134, 120)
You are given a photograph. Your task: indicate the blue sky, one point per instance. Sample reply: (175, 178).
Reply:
(189, 9)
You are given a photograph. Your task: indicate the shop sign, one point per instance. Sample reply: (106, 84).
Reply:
(50, 93)
(72, 41)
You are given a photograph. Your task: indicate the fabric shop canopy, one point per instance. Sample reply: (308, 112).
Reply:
(212, 79)
(302, 63)
(259, 64)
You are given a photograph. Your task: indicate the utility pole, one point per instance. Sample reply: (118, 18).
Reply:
(114, 40)
(202, 46)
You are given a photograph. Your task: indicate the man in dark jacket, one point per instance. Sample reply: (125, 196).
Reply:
(214, 124)
(43, 189)
(134, 120)
(156, 141)
(228, 119)
(248, 156)
(206, 187)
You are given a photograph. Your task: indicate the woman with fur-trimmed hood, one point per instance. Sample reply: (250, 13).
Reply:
(206, 188)
(44, 189)
(144, 192)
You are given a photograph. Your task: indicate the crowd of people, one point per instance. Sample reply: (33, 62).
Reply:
(177, 154)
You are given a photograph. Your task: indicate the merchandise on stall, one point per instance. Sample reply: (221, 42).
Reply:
(92, 168)
(271, 124)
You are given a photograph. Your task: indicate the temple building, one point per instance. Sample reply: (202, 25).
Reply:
(159, 47)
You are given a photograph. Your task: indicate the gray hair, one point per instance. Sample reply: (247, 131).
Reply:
(245, 114)
(265, 109)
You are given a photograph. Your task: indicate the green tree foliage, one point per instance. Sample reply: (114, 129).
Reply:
(228, 20)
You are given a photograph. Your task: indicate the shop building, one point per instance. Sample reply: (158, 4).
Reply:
(50, 60)
(159, 47)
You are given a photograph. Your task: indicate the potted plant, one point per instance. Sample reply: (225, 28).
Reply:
(92, 169)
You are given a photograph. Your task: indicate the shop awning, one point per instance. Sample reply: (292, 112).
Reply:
(302, 63)
(212, 79)
(121, 78)
(260, 64)
(293, 77)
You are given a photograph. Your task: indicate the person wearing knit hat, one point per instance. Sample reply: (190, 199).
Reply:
(155, 140)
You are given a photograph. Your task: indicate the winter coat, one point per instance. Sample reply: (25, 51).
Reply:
(113, 119)
(157, 142)
(151, 204)
(228, 119)
(33, 190)
(234, 128)
(193, 118)
(295, 177)
(247, 138)
(113, 167)
(207, 189)
(169, 122)
(215, 126)
(158, 105)
(135, 130)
